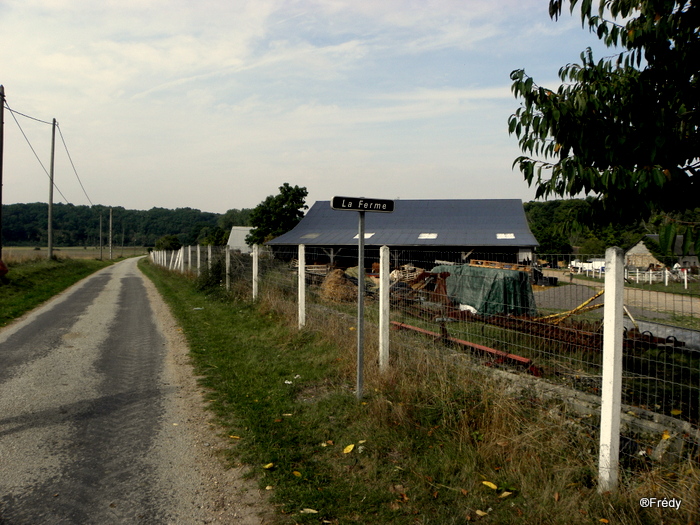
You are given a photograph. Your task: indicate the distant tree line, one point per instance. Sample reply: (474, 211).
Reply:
(574, 226)
(26, 225)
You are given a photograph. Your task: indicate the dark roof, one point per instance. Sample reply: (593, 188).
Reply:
(453, 222)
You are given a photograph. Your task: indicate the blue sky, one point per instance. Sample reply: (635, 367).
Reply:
(215, 104)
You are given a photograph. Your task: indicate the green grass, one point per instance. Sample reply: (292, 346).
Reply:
(426, 436)
(30, 283)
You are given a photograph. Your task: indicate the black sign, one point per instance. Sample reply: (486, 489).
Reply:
(362, 204)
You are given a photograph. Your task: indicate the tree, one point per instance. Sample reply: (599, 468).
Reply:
(625, 128)
(168, 242)
(277, 214)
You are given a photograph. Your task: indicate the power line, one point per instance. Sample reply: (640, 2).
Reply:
(73, 165)
(30, 144)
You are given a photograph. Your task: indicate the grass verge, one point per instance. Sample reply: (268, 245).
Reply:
(30, 283)
(432, 441)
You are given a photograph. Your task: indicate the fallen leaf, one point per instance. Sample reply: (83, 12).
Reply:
(666, 435)
(676, 412)
(269, 465)
(297, 473)
(464, 492)
(505, 494)
(308, 511)
(235, 437)
(481, 513)
(490, 485)
(556, 496)
(603, 520)
(269, 487)
(348, 449)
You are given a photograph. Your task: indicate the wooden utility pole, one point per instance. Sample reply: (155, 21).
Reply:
(100, 235)
(110, 233)
(2, 141)
(50, 228)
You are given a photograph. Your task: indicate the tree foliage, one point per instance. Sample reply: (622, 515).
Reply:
(277, 214)
(26, 225)
(624, 128)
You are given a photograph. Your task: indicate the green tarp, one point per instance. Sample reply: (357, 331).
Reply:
(490, 291)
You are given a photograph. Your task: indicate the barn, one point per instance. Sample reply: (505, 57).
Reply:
(445, 230)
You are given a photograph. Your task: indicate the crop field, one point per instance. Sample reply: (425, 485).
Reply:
(18, 254)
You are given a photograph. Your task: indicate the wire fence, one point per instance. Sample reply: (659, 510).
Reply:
(538, 323)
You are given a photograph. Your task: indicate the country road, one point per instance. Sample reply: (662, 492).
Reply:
(101, 421)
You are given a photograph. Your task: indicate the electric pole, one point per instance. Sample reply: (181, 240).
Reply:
(100, 235)
(110, 233)
(2, 140)
(53, 148)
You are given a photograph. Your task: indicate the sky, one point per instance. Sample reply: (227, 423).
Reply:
(215, 104)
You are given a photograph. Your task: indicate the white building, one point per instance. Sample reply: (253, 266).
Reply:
(236, 239)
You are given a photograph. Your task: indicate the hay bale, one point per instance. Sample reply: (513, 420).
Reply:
(337, 288)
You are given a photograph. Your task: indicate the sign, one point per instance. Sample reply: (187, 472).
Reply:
(362, 204)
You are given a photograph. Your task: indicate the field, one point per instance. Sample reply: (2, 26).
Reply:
(16, 254)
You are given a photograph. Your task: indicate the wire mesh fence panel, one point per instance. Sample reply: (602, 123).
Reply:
(538, 319)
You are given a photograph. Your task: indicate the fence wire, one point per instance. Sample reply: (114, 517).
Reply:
(539, 321)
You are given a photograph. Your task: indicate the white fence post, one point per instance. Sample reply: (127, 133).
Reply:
(209, 257)
(182, 259)
(228, 267)
(256, 257)
(199, 260)
(384, 310)
(302, 285)
(189, 258)
(612, 371)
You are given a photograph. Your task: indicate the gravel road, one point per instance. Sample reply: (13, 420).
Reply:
(101, 419)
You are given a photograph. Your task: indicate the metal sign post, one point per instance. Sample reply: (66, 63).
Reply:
(361, 205)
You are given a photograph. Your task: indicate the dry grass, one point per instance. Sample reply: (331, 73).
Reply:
(448, 426)
(16, 255)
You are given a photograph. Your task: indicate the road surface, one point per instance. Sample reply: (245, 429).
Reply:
(101, 420)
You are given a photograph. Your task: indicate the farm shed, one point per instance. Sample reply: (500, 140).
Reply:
(236, 239)
(639, 256)
(455, 230)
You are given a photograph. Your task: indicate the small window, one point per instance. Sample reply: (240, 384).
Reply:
(427, 236)
(505, 236)
(367, 235)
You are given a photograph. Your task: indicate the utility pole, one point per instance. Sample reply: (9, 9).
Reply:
(2, 141)
(100, 235)
(110, 233)
(53, 148)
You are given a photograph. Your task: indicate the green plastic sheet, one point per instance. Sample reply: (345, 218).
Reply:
(490, 291)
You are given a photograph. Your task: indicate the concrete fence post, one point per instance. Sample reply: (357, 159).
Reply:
(384, 308)
(209, 257)
(182, 259)
(199, 260)
(611, 388)
(189, 258)
(256, 269)
(301, 285)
